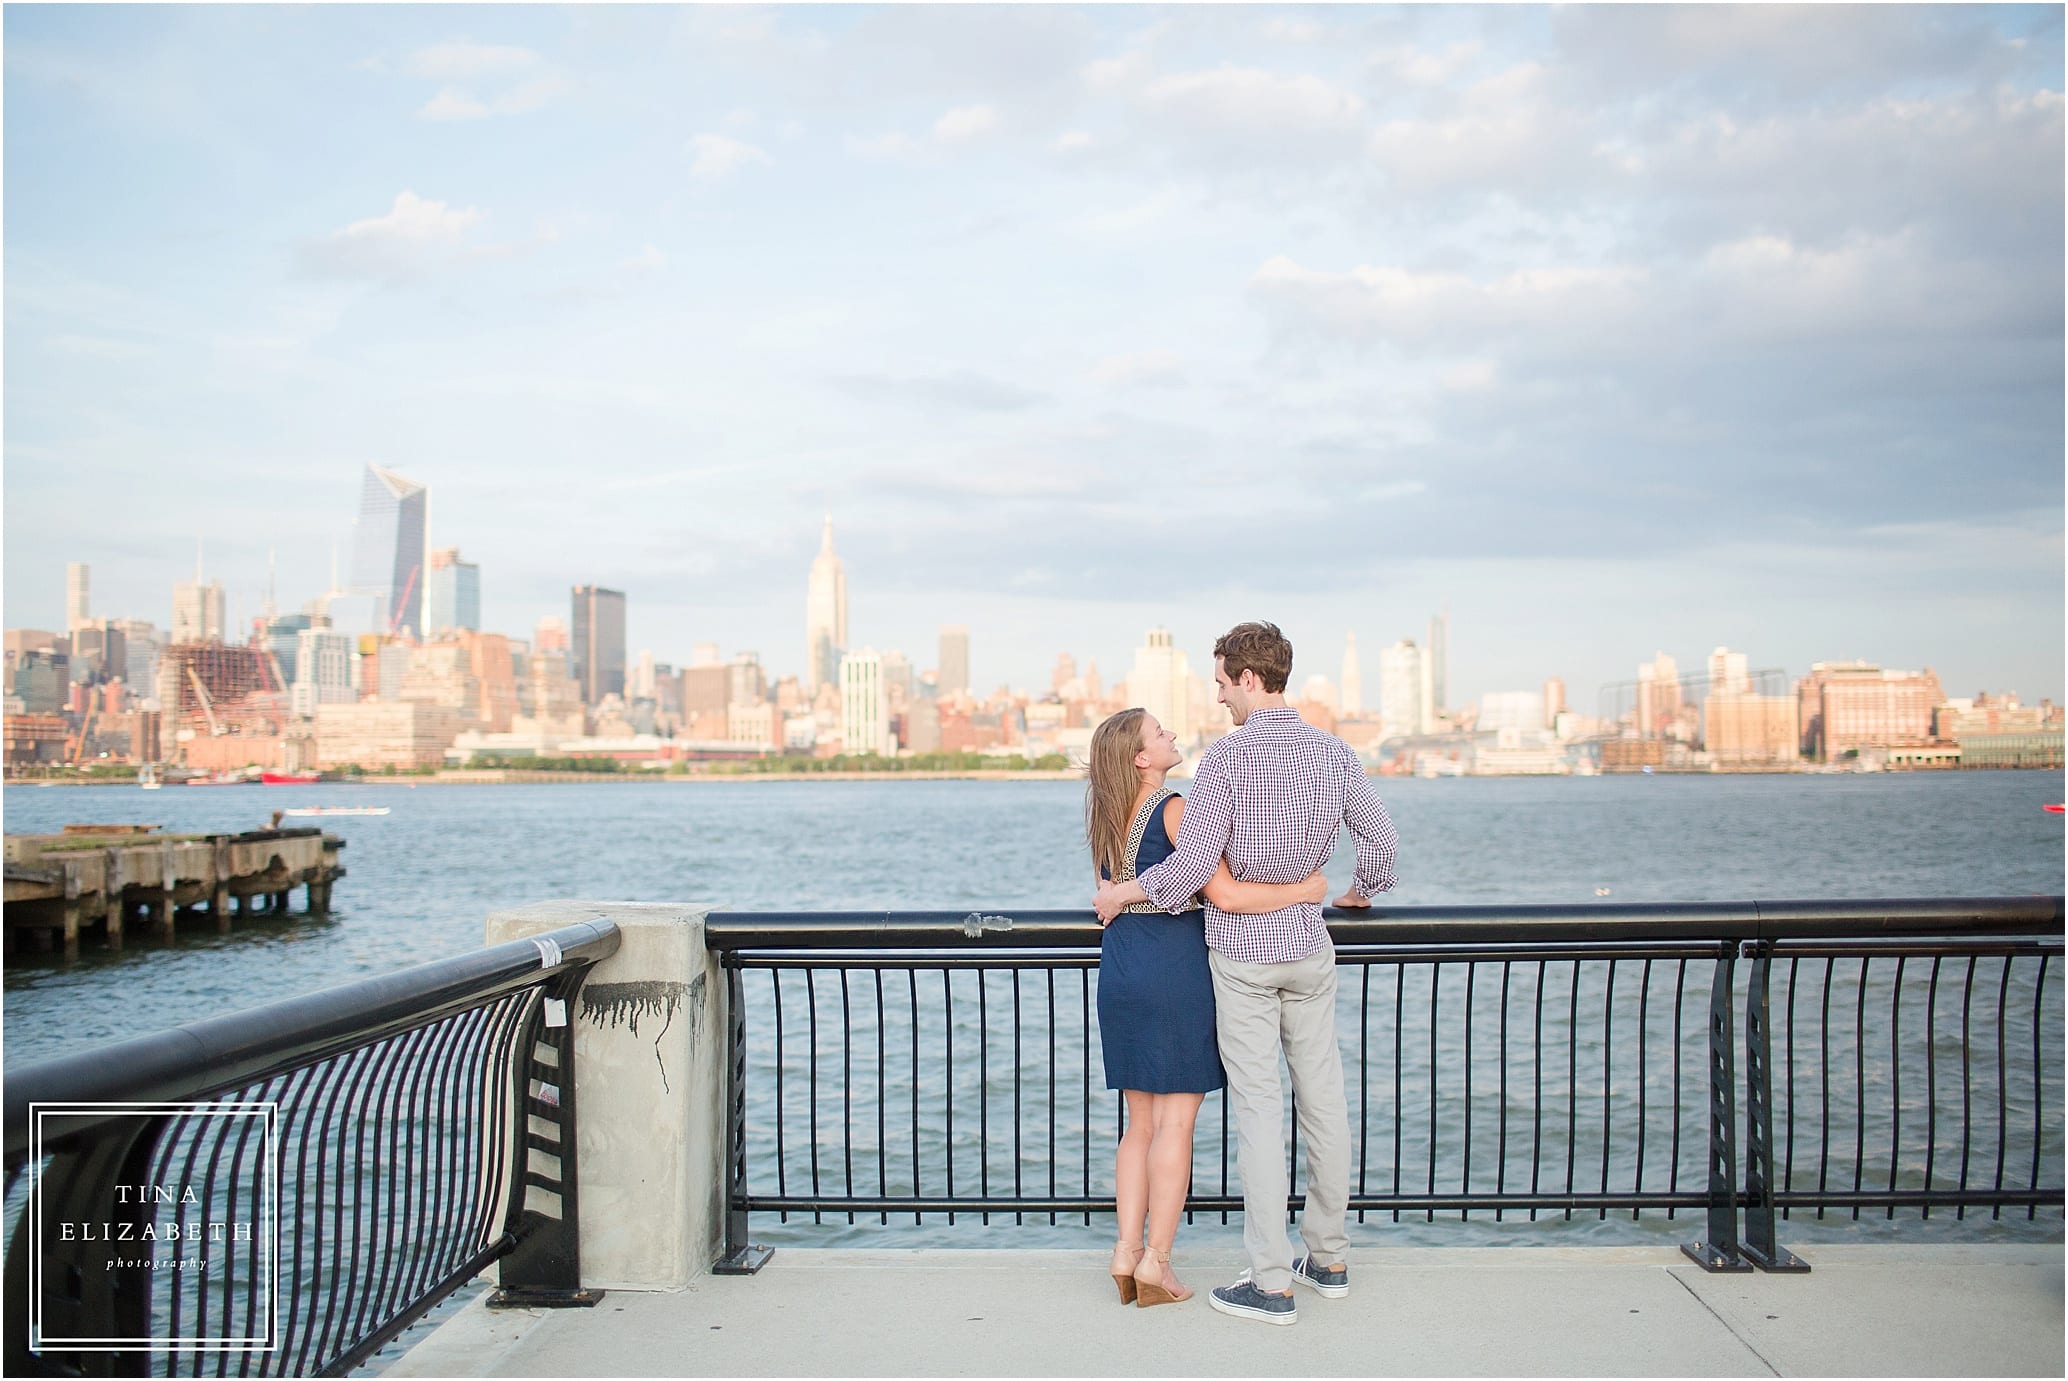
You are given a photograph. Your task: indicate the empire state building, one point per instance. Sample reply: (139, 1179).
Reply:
(825, 615)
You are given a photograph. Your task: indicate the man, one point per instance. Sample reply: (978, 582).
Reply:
(1270, 798)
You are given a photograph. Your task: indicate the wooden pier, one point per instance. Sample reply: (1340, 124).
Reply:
(111, 879)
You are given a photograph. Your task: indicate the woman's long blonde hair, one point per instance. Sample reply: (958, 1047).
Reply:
(1111, 783)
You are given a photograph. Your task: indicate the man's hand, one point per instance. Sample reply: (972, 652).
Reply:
(1109, 902)
(1351, 898)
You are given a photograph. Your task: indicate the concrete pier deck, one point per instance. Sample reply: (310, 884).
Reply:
(1866, 1310)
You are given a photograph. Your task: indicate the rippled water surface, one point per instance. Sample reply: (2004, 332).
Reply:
(422, 878)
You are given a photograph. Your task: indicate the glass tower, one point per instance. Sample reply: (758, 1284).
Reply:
(452, 597)
(597, 651)
(388, 549)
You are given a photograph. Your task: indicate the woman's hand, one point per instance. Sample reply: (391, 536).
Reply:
(1315, 888)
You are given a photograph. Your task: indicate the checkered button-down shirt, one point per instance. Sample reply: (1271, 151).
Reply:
(1271, 798)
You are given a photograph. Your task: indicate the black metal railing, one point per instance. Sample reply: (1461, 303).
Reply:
(284, 1190)
(1517, 1062)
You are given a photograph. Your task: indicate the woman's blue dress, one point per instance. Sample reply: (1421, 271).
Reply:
(1156, 994)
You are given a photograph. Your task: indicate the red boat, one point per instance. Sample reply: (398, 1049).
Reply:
(289, 778)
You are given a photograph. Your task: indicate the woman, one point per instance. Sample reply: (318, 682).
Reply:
(1156, 997)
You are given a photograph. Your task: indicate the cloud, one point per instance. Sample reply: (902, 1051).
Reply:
(1248, 101)
(463, 66)
(965, 123)
(718, 156)
(1471, 376)
(415, 235)
(456, 103)
(98, 347)
(1126, 222)
(646, 260)
(1406, 306)
(893, 147)
(961, 389)
(956, 127)
(460, 60)
(1153, 368)
(452, 104)
(1419, 66)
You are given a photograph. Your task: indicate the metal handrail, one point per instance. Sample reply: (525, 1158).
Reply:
(445, 1091)
(730, 931)
(833, 944)
(208, 1057)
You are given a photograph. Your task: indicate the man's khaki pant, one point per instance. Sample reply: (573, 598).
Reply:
(1260, 1010)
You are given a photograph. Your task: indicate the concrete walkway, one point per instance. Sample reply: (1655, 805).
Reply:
(1639, 1311)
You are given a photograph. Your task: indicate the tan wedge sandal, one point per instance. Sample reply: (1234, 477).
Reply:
(1124, 1269)
(1162, 1286)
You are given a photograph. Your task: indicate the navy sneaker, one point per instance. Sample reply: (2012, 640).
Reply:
(1244, 1300)
(1332, 1281)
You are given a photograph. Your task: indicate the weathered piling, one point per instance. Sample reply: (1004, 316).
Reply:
(59, 886)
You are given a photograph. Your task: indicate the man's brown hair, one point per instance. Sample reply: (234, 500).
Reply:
(1257, 647)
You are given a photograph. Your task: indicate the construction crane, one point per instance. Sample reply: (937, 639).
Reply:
(215, 729)
(402, 602)
(85, 730)
(272, 660)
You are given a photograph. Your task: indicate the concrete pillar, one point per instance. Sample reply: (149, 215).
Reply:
(168, 915)
(649, 1094)
(117, 911)
(219, 906)
(71, 927)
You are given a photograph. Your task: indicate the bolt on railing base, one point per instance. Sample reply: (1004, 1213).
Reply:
(525, 1297)
(1711, 1259)
(1781, 1262)
(746, 1261)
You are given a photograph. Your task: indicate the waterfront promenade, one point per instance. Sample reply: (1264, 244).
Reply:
(1867, 1310)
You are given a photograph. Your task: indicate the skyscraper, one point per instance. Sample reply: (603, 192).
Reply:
(1658, 695)
(197, 612)
(452, 595)
(596, 652)
(954, 670)
(326, 665)
(388, 549)
(1353, 679)
(1436, 668)
(78, 606)
(1157, 683)
(1404, 689)
(864, 709)
(825, 614)
(1729, 672)
(140, 646)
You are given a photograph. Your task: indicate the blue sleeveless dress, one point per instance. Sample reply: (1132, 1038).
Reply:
(1156, 994)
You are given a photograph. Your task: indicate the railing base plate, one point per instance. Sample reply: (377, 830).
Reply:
(745, 1262)
(1782, 1262)
(1710, 1259)
(522, 1298)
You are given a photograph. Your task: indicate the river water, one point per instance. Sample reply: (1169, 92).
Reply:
(422, 878)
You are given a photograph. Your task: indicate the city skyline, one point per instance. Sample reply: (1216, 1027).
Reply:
(1426, 662)
(1586, 324)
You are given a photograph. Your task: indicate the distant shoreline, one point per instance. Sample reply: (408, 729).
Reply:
(501, 777)
(494, 777)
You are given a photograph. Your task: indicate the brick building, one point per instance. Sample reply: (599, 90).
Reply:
(1842, 707)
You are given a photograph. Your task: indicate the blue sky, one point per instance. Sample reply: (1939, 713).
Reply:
(1616, 329)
